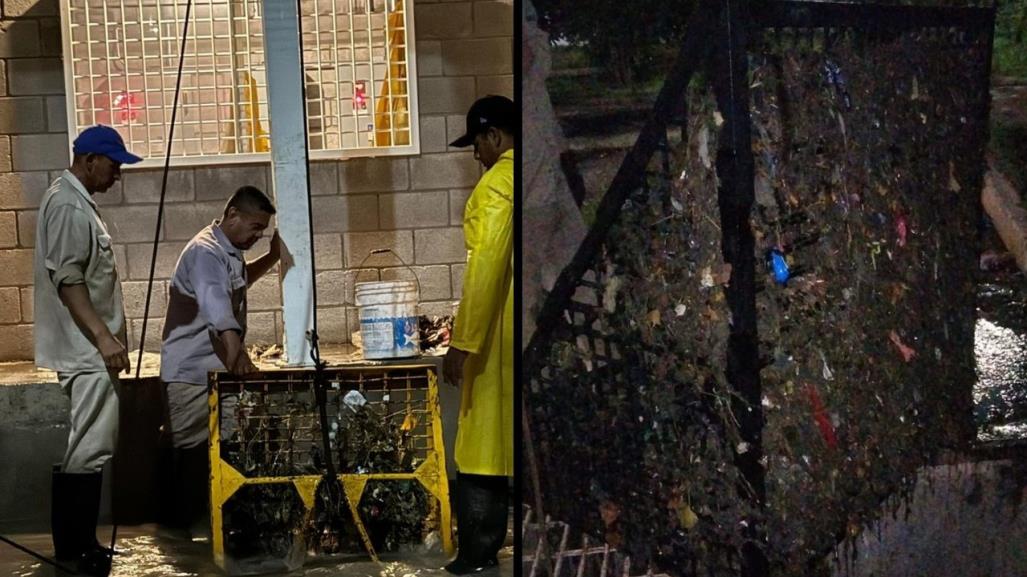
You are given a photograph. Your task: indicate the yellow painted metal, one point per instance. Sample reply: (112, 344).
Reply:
(392, 117)
(431, 473)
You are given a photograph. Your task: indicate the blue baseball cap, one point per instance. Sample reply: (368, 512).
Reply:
(104, 140)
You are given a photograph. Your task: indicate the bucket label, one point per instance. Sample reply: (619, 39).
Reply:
(390, 335)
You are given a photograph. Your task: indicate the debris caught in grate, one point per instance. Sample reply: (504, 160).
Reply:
(868, 145)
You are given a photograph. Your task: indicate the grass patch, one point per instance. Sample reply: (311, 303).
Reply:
(1009, 58)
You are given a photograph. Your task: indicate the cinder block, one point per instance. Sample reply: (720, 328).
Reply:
(5, 148)
(260, 329)
(449, 170)
(22, 189)
(183, 221)
(40, 152)
(458, 279)
(10, 306)
(414, 209)
(134, 293)
(328, 251)
(477, 56)
(8, 229)
(19, 39)
(219, 182)
(361, 175)
(50, 36)
(433, 134)
(493, 19)
(446, 95)
(154, 330)
(501, 85)
(456, 126)
(35, 76)
(352, 321)
(457, 204)
(26, 304)
(440, 245)
(132, 223)
(443, 20)
(433, 280)
(22, 115)
(56, 114)
(35, 8)
(265, 294)
(3, 77)
(331, 325)
(139, 255)
(439, 308)
(429, 59)
(16, 343)
(335, 287)
(17, 266)
(358, 245)
(324, 178)
(121, 258)
(27, 228)
(143, 186)
(345, 213)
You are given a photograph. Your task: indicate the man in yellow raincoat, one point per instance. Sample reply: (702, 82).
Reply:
(480, 357)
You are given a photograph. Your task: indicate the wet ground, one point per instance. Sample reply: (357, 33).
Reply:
(1000, 395)
(143, 553)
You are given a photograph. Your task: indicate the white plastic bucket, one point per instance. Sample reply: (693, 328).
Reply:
(388, 319)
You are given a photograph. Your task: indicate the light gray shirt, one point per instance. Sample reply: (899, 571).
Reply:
(73, 247)
(207, 296)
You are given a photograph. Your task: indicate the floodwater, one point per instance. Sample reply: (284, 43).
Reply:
(143, 553)
(1000, 396)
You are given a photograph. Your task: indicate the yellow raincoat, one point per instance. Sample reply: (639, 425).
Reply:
(484, 327)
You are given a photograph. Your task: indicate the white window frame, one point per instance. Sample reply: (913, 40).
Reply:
(412, 109)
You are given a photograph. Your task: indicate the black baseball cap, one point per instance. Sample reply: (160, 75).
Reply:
(489, 111)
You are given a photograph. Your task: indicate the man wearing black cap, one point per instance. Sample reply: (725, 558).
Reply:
(80, 333)
(480, 357)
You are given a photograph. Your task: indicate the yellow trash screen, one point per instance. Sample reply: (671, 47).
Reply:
(270, 508)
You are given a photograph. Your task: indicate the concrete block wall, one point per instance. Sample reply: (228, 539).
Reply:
(412, 205)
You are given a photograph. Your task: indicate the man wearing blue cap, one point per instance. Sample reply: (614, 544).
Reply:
(80, 333)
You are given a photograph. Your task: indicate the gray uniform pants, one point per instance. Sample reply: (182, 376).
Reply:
(189, 413)
(94, 420)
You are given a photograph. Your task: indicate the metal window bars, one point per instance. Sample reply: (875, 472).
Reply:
(358, 57)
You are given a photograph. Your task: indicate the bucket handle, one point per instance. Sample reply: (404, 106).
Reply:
(400, 259)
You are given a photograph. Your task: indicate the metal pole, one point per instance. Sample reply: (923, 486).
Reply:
(289, 154)
(736, 195)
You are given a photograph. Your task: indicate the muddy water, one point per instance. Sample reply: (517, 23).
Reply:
(1000, 395)
(142, 553)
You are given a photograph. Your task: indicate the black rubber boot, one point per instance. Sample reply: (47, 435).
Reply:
(481, 509)
(67, 545)
(75, 510)
(193, 491)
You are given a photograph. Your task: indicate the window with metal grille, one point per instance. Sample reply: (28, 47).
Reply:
(121, 58)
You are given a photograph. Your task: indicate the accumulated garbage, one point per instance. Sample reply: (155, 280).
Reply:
(280, 435)
(868, 168)
(435, 332)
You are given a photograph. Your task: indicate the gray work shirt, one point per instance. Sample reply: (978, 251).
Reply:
(73, 247)
(207, 296)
